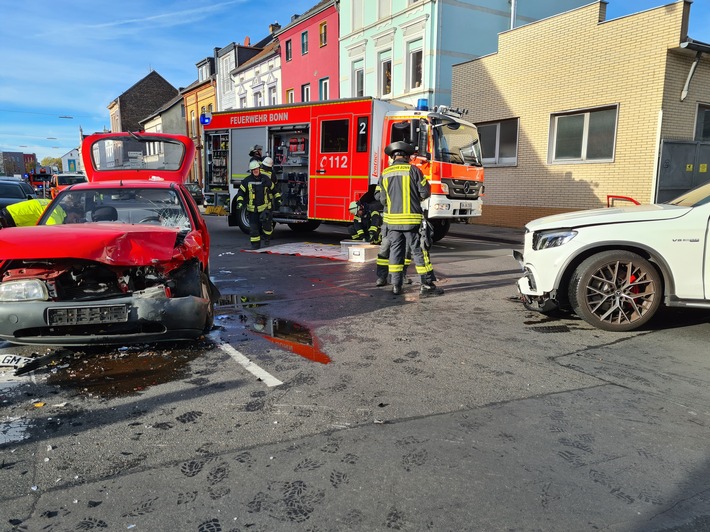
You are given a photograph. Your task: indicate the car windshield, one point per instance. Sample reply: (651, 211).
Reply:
(143, 153)
(11, 190)
(693, 198)
(127, 205)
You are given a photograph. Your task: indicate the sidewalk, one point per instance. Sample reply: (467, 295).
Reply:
(507, 235)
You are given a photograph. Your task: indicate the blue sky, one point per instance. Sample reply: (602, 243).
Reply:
(72, 58)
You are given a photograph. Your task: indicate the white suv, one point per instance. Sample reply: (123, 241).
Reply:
(614, 267)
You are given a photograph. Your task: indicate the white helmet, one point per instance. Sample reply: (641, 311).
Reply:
(268, 161)
(353, 207)
(254, 165)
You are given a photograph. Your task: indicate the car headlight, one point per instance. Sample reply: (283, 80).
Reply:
(552, 239)
(23, 290)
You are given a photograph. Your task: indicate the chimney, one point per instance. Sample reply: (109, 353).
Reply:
(273, 28)
(294, 17)
(247, 41)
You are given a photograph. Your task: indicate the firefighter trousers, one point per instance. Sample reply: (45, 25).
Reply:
(400, 241)
(261, 225)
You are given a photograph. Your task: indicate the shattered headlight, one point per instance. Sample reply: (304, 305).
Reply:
(552, 239)
(23, 290)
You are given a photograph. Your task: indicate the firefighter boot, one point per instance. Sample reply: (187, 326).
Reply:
(397, 289)
(430, 289)
(381, 281)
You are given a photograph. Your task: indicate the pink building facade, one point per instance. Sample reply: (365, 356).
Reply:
(309, 55)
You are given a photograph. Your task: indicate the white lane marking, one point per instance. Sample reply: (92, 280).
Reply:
(248, 365)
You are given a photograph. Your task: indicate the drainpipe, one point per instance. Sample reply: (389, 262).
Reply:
(684, 92)
(513, 8)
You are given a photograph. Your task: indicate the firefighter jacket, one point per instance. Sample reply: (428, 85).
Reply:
(257, 191)
(401, 188)
(276, 193)
(29, 212)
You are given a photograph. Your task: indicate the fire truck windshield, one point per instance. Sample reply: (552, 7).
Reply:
(458, 144)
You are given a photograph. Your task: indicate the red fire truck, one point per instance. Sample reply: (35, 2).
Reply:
(327, 154)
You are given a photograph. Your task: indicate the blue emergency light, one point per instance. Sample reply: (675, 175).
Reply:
(422, 104)
(205, 118)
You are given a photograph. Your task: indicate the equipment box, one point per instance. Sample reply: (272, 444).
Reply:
(359, 251)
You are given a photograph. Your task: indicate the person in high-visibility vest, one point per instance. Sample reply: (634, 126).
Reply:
(401, 189)
(28, 212)
(257, 190)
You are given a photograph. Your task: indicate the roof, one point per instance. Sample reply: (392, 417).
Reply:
(269, 50)
(320, 6)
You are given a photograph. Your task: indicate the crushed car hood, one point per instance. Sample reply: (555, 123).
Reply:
(116, 244)
(613, 215)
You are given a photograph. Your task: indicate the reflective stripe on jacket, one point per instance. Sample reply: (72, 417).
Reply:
(258, 191)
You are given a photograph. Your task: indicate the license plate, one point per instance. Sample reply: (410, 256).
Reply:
(13, 361)
(466, 205)
(88, 315)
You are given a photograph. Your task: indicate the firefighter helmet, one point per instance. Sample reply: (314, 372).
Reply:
(256, 147)
(353, 208)
(254, 165)
(268, 162)
(399, 147)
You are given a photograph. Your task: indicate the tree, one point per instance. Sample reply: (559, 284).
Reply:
(52, 161)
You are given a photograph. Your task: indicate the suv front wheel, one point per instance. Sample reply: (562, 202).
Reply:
(615, 290)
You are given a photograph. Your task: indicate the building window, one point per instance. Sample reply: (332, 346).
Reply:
(414, 64)
(584, 135)
(289, 96)
(384, 8)
(242, 102)
(324, 89)
(323, 33)
(499, 142)
(258, 100)
(272, 96)
(306, 93)
(386, 74)
(203, 72)
(357, 14)
(289, 50)
(358, 73)
(702, 126)
(304, 43)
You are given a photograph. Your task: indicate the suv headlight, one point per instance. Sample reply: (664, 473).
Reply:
(23, 290)
(552, 239)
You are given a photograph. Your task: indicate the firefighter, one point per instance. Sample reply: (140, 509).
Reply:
(255, 153)
(383, 259)
(28, 212)
(367, 221)
(267, 168)
(401, 189)
(257, 190)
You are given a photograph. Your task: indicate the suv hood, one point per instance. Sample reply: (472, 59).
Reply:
(613, 215)
(114, 244)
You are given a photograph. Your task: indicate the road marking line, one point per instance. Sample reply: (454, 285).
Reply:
(248, 365)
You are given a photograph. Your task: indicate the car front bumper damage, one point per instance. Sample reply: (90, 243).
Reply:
(145, 316)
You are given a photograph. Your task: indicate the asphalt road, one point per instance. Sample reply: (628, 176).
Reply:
(321, 402)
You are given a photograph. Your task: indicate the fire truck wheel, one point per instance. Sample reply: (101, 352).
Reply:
(441, 227)
(243, 219)
(305, 227)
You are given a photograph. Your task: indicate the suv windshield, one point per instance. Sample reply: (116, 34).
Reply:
(697, 196)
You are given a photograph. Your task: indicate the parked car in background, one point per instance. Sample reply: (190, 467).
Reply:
(614, 267)
(196, 193)
(134, 269)
(13, 190)
(61, 181)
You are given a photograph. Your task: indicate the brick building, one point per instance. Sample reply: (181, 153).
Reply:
(139, 101)
(574, 108)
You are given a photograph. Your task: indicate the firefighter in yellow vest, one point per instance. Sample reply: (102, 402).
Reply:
(28, 212)
(257, 191)
(401, 189)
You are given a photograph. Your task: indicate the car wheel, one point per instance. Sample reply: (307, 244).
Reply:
(615, 291)
(207, 294)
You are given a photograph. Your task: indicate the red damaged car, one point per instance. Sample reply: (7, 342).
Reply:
(133, 269)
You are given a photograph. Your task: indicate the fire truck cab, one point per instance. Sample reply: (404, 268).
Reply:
(327, 154)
